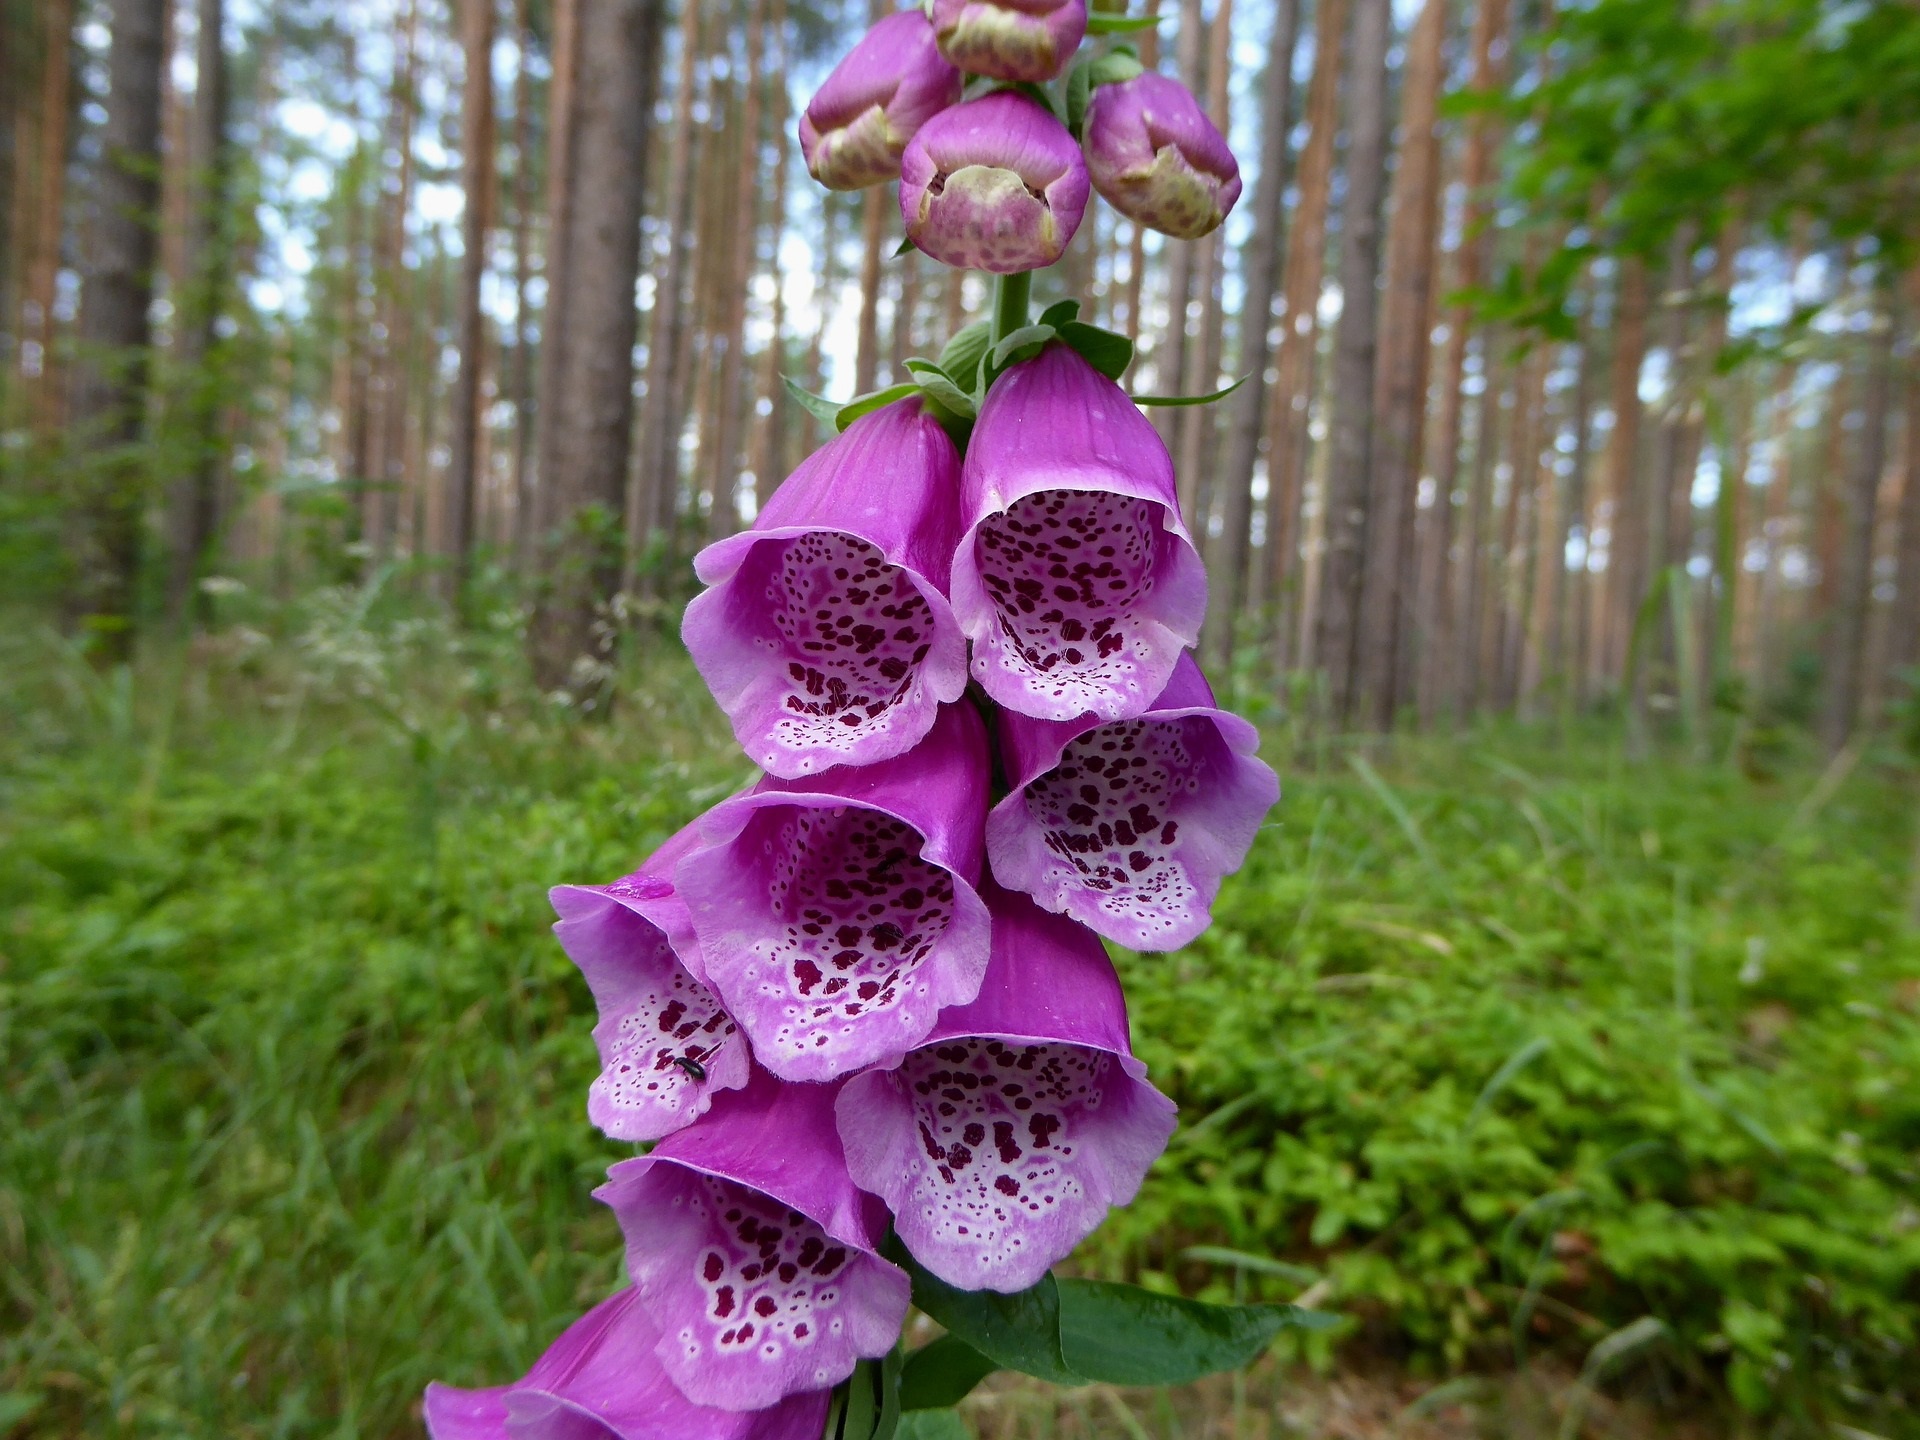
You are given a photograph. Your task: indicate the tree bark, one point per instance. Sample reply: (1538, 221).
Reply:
(770, 445)
(657, 479)
(116, 336)
(1354, 354)
(1626, 522)
(1193, 432)
(1170, 355)
(1406, 343)
(522, 380)
(1904, 652)
(724, 515)
(476, 179)
(1260, 274)
(1291, 409)
(553, 266)
(873, 220)
(40, 185)
(209, 256)
(1846, 654)
(586, 445)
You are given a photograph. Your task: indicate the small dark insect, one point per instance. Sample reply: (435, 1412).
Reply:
(693, 1067)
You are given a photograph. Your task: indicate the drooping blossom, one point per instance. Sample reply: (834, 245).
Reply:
(1003, 1139)
(994, 184)
(1075, 579)
(837, 916)
(601, 1380)
(1010, 39)
(1157, 158)
(1129, 826)
(856, 126)
(666, 1044)
(755, 1253)
(825, 632)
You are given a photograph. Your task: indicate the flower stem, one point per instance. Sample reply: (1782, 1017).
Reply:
(1010, 296)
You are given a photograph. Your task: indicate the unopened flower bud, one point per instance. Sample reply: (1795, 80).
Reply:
(860, 121)
(995, 184)
(1158, 159)
(1010, 39)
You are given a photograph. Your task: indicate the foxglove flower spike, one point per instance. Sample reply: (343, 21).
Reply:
(754, 1252)
(601, 1381)
(837, 916)
(994, 184)
(1075, 579)
(1129, 826)
(858, 123)
(1003, 1139)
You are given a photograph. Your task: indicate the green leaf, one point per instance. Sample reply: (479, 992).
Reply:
(1016, 1332)
(1107, 351)
(1191, 399)
(932, 1425)
(1079, 92)
(817, 406)
(1115, 69)
(961, 357)
(942, 1374)
(1005, 352)
(1119, 24)
(888, 1423)
(1252, 1264)
(1124, 1335)
(1060, 312)
(938, 384)
(905, 247)
(867, 404)
(863, 1410)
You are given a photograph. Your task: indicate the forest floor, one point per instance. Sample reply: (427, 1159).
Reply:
(1586, 1092)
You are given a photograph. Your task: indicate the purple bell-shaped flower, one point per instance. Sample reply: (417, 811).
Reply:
(839, 915)
(890, 84)
(1075, 579)
(995, 184)
(666, 1045)
(1010, 39)
(1130, 826)
(1004, 1138)
(1157, 158)
(601, 1380)
(825, 632)
(754, 1253)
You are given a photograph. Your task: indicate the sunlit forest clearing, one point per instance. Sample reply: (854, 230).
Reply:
(370, 374)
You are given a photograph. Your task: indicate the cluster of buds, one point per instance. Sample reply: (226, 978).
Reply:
(998, 182)
(867, 997)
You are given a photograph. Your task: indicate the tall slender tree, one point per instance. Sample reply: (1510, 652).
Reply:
(116, 333)
(1354, 352)
(1401, 386)
(1260, 275)
(476, 178)
(1904, 619)
(586, 440)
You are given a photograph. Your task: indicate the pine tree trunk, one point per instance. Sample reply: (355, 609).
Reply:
(389, 358)
(1260, 274)
(476, 179)
(770, 446)
(1288, 419)
(1401, 401)
(658, 481)
(1440, 640)
(1194, 430)
(586, 445)
(873, 220)
(116, 335)
(1354, 355)
(1565, 664)
(209, 256)
(724, 516)
(1627, 527)
(1904, 621)
(1170, 354)
(1846, 669)
(44, 185)
(522, 379)
(1663, 543)
(565, 65)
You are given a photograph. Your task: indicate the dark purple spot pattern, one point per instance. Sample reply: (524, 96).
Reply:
(1109, 810)
(853, 631)
(999, 1127)
(855, 912)
(661, 1021)
(1066, 570)
(771, 1285)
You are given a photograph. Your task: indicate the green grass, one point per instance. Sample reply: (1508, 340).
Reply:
(1513, 1045)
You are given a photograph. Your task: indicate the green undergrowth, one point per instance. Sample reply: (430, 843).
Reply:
(1503, 1047)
